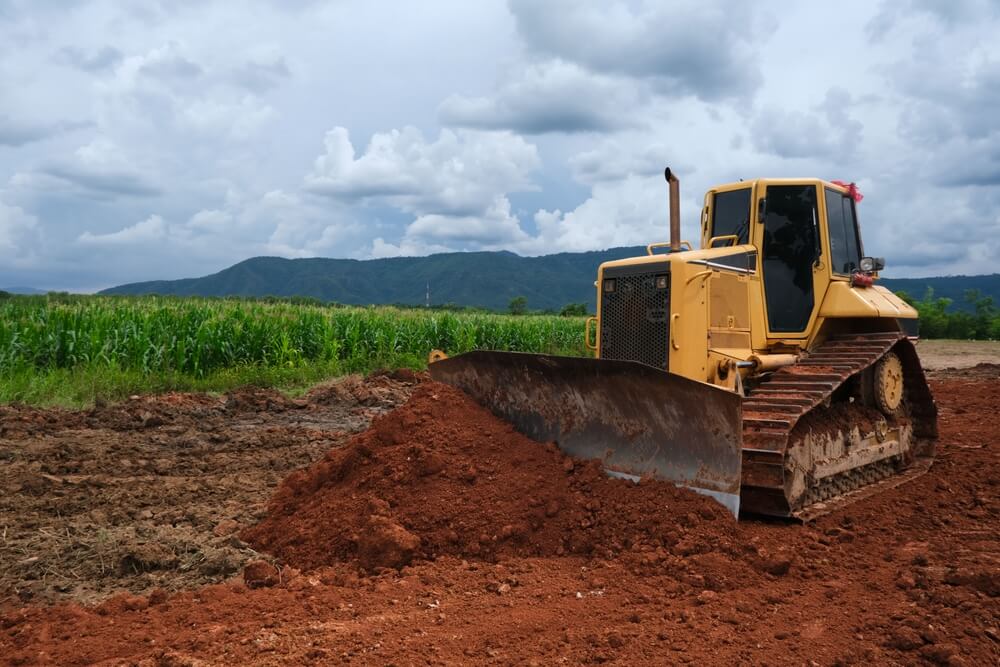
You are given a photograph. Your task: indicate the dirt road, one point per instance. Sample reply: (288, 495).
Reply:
(516, 555)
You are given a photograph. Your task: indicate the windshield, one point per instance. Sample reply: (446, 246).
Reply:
(731, 214)
(845, 250)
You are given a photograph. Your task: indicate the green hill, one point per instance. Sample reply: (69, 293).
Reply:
(950, 287)
(484, 279)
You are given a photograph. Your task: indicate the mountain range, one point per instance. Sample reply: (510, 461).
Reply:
(483, 279)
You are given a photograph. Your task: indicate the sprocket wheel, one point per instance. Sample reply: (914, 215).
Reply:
(888, 382)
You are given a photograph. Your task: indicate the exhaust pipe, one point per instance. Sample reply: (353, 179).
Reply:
(675, 209)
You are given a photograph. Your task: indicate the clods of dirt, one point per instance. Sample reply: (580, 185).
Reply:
(442, 475)
(151, 492)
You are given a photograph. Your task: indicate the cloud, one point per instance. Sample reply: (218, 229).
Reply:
(167, 63)
(101, 169)
(617, 159)
(826, 132)
(18, 133)
(950, 14)
(210, 220)
(94, 61)
(260, 77)
(460, 173)
(553, 96)
(688, 48)
(496, 228)
(631, 211)
(19, 236)
(151, 230)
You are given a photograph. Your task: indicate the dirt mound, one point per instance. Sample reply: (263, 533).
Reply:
(459, 481)
(381, 389)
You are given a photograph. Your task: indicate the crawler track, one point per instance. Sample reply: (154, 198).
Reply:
(775, 407)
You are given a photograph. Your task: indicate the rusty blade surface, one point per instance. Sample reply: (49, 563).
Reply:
(640, 421)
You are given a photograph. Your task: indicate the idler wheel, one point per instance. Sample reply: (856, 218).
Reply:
(889, 384)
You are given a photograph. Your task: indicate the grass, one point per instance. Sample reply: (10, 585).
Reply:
(71, 351)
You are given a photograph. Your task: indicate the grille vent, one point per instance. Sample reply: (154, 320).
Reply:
(635, 320)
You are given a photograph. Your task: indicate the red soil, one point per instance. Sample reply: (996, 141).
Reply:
(455, 480)
(519, 556)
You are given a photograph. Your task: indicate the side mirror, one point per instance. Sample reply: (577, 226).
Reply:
(871, 264)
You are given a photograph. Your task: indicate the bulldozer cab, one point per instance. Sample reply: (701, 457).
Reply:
(806, 234)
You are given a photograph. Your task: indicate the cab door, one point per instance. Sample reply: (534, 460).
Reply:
(789, 234)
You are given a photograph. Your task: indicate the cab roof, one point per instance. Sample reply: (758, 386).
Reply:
(778, 181)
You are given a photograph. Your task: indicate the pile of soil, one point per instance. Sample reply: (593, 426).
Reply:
(443, 476)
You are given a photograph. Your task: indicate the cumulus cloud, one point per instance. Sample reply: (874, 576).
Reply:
(151, 230)
(951, 14)
(826, 132)
(262, 76)
(689, 48)
(617, 159)
(459, 174)
(19, 238)
(18, 133)
(630, 211)
(496, 228)
(101, 169)
(90, 60)
(554, 96)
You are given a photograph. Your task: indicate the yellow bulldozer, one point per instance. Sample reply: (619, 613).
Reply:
(765, 368)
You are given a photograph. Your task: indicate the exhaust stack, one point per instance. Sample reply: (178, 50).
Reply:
(675, 209)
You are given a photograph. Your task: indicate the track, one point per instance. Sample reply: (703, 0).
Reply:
(777, 405)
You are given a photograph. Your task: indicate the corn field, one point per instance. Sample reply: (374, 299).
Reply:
(198, 336)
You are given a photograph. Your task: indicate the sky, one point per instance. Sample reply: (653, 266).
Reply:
(161, 140)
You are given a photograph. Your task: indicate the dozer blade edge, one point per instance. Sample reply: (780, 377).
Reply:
(640, 421)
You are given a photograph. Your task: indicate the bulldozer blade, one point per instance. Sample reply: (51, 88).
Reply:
(640, 421)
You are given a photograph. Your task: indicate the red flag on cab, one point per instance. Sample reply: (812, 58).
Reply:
(852, 190)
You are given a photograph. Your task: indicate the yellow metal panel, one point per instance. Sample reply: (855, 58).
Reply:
(729, 304)
(842, 300)
(689, 320)
(731, 343)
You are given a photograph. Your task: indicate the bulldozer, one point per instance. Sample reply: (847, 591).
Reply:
(765, 368)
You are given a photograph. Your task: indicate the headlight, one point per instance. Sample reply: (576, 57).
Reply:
(609, 285)
(867, 264)
(661, 282)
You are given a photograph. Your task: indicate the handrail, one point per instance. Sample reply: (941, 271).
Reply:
(735, 238)
(666, 244)
(586, 334)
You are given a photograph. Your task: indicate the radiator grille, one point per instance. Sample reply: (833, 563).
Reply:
(635, 319)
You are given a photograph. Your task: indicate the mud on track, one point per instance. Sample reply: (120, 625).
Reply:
(908, 577)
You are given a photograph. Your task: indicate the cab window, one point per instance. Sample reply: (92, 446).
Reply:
(845, 251)
(731, 215)
(789, 251)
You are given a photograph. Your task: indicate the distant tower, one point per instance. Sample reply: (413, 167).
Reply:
(427, 299)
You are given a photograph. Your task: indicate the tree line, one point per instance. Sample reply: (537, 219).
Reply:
(938, 321)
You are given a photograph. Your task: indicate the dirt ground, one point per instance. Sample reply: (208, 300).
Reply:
(439, 536)
(941, 354)
(150, 493)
